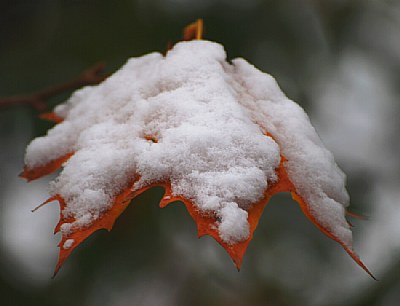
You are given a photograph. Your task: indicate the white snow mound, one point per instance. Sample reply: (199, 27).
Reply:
(209, 118)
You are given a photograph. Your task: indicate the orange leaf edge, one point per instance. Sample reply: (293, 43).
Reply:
(51, 116)
(206, 223)
(282, 174)
(304, 207)
(31, 174)
(106, 221)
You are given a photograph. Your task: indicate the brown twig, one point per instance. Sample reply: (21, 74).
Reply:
(37, 100)
(91, 76)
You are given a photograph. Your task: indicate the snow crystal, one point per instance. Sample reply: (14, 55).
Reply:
(68, 243)
(233, 226)
(196, 120)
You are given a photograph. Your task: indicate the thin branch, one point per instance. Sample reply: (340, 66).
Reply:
(37, 100)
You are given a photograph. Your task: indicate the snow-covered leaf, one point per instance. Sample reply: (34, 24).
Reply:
(220, 137)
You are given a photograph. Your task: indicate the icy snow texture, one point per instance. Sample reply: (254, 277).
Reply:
(209, 120)
(68, 243)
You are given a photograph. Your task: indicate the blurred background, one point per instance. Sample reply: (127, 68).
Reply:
(339, 59)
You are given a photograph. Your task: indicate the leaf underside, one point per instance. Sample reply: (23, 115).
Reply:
(206, 223)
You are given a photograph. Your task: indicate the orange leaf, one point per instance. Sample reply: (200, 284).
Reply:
(31, 174)
(53, 117)
(206, 223)
(105, 137)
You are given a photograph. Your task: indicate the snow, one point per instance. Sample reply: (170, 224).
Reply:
(234, 226)
(208, 120)
(68, 244)
(310, 166)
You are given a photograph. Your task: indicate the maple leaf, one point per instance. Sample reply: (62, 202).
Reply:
(220, 137)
